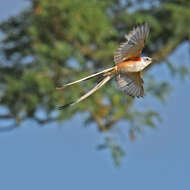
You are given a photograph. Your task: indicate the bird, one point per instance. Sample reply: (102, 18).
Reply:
(128, 67)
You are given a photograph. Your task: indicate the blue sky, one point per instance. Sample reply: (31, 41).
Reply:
(65, 157)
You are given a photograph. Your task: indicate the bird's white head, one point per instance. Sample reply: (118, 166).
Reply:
(146, 61)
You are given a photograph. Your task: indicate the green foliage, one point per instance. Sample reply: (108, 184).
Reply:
(54, 42)
(116, 151)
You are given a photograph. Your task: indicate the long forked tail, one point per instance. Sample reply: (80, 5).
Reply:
(99, 85)
(87, 78)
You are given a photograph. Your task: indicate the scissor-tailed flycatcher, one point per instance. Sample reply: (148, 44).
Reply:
(127, 69)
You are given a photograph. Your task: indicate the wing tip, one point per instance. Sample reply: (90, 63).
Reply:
(144, 27)
(135, 96)
(143, 24)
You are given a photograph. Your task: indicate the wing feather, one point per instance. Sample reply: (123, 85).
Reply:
(131, 84)
(132, 48)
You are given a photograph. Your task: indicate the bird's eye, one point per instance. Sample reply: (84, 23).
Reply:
(148, 59)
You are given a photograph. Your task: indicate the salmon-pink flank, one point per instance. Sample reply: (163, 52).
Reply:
(128, 62)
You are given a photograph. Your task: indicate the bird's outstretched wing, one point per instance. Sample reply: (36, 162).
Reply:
(132, 48)
(131, 84)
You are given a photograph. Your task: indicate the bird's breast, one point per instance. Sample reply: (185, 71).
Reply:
(130, 66)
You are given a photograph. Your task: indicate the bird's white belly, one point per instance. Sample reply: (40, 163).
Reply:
(135, 67)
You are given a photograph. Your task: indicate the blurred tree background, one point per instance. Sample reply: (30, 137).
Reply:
(53, 42)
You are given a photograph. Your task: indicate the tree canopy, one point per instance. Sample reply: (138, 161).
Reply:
(57, 41)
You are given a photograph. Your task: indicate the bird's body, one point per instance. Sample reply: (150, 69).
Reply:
(127, 69)
(133, 65)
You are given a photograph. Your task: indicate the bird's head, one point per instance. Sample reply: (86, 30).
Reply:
(146, 60)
